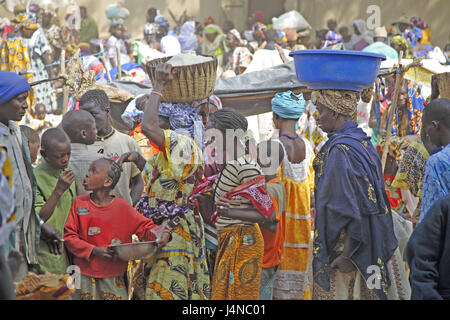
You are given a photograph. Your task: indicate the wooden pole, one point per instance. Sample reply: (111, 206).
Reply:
(119, 66)
(398, 82)
(103, 60)
(65, 89)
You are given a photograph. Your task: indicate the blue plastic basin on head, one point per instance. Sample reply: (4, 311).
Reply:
(336, 69)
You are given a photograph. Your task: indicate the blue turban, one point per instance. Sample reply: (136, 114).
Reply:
(11, 85)
(287, 105)
(182, 116)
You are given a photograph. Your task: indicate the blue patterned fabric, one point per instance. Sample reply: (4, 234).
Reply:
(436, 182)
(183, 118)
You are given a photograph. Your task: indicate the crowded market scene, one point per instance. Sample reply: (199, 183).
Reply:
(255, 150)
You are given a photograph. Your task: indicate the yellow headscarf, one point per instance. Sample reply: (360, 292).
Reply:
(25, 21)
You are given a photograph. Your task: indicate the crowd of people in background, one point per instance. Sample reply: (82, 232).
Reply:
(299, 216)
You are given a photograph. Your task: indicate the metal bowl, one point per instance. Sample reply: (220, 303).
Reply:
(135, 250)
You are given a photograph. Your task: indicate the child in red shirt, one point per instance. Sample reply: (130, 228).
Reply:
(95, 222)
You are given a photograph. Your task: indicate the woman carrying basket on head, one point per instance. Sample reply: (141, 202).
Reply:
(180, 270)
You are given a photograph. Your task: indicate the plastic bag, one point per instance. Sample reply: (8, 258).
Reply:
(438, 55)
(292, 19)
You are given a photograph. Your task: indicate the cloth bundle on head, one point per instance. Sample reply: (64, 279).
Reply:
(151, 28)
(238, 37)
(342, 101)
(183, 117)
(187, 38)
(160, 20)
(11, 85)
(288, 105)
(214, 100)
(117, 13)
(27, 21)
(418, 22)
(400, 41)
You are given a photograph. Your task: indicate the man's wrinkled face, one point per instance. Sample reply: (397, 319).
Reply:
(15, 108)
(326, 119)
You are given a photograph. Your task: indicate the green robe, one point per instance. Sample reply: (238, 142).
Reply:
(46, 179)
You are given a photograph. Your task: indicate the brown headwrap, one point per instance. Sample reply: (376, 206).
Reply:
(342, 101)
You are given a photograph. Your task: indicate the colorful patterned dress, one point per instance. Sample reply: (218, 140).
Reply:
(291, 279)
(37, 47)
(15, 57)
(178, 271)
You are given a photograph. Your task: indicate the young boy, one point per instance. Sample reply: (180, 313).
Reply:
(34, 142)
(95, 222)
(80, 127)
(270, 156)
(55, 194)
(112, 144)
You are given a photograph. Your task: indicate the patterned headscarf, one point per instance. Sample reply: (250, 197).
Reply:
(26, 21)
(160, 20)
(342, 101)
(418, 22)
(400, 41)
(151, 28)
(183, 116)
(237, 35)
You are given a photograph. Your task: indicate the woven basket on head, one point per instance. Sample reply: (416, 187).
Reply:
(190, 83)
